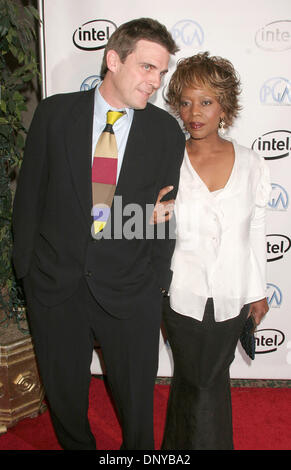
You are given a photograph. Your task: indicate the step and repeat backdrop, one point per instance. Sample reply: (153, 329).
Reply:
(256, 36)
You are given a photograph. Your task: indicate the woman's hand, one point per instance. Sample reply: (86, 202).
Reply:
(163, 211)
(259, 309)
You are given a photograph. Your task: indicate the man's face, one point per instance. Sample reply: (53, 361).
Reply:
(136, 80)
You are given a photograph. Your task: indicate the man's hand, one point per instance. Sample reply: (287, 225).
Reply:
(259, 309)
(163, 211)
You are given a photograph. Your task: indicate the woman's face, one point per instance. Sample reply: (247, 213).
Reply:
(200, 112)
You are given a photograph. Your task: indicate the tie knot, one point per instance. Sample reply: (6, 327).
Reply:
(112, 116)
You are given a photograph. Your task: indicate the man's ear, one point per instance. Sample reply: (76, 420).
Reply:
(113, 60)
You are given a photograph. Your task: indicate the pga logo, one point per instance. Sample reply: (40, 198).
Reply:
(276, 91)
(274, 296)
(90, 82)
(279, 198)
(188, 32)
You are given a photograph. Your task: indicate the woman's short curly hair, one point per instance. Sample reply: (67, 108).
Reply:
(215, 73)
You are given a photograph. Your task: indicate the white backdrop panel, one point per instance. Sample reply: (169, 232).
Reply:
(256, 36)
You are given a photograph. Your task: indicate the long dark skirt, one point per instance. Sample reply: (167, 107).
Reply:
(199, 415)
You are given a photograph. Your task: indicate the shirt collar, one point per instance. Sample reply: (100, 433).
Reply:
(101, 106)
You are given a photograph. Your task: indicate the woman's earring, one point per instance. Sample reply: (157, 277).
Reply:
(221, 126)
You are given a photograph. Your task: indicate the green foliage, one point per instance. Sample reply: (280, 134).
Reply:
(18, 67)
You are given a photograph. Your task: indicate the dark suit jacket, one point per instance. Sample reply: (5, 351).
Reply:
(52, 219)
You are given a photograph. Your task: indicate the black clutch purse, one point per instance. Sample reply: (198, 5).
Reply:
(247, 337)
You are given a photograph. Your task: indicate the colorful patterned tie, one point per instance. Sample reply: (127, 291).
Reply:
(104, 172)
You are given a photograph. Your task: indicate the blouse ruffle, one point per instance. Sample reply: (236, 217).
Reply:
(221, 254)
(264, 186)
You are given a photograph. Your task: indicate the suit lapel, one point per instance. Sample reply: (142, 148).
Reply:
(135, 148)
(79, 149)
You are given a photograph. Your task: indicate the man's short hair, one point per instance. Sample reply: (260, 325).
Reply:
(124, 39)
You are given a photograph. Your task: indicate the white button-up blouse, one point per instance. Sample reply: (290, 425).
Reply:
(220, 248)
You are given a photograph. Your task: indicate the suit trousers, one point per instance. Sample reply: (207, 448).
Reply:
(64, 337)
(199, 414)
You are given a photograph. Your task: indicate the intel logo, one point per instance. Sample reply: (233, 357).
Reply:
(268, 341)
(276, 92)
(277, 246)
(275, 36)
(188, 33)
(90, 82)
(273, 145)
(274, 296)
(93, 35)
(279, 198)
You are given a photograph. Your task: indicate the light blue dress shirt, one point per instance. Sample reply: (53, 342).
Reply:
(121, 127)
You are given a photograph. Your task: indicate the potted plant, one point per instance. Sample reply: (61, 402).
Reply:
(18, 69)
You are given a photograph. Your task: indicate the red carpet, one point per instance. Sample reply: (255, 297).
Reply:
(261, 419)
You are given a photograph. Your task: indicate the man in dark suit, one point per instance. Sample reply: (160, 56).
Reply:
(81, 288)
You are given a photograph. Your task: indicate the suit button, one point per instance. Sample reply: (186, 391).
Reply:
(88, 274)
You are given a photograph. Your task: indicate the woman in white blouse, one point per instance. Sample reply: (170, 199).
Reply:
(219, 261)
